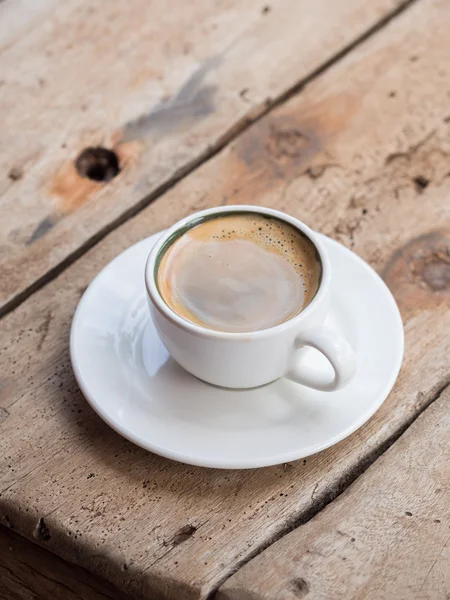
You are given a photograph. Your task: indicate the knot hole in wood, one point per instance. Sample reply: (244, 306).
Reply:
(98, 164)
(300, 587)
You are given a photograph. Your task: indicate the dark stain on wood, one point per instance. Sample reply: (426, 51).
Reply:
(192, 103)
(420, 183)
(300, 587)
(4, 414)
(277, 147)
(418, 274)
(294, 141)
(15, 173)
(42, 228)
(182, 535)
(285, 143)
(43, 330)
(71, 189)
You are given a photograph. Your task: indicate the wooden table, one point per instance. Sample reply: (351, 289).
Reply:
(336, 111)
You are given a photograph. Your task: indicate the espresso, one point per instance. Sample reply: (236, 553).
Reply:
(239, 272)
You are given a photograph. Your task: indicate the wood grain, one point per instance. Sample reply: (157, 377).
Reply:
(18, 18)
(161, 88)
(344, 155)
(28, 572)
(387, 536)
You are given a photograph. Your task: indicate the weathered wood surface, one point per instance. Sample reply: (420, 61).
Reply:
(387, 536)
(162, 88)
(19, 17)
(361, 154)
(28, 572)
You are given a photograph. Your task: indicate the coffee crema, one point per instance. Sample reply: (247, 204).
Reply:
(239, 272)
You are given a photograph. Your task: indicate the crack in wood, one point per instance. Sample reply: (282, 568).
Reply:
(409, 153)
(55, 581)
(434, 563)
(4, 414)
(14, 578)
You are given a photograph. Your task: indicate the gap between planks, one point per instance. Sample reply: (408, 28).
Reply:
(235, 131)
(337, 489)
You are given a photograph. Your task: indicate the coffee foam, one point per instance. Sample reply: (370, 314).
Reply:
(238, 273)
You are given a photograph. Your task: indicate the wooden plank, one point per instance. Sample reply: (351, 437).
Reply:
(19, 17)
(345, 156)
(161, 89)
(28, 572)
(387, 536)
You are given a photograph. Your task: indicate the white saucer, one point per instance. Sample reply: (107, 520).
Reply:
(156, 404)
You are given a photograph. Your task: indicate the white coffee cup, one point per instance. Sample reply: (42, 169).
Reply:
(245, 360)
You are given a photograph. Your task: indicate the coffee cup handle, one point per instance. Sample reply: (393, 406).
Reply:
(335, 349)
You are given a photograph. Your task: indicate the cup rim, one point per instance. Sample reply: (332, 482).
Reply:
(159, 303)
